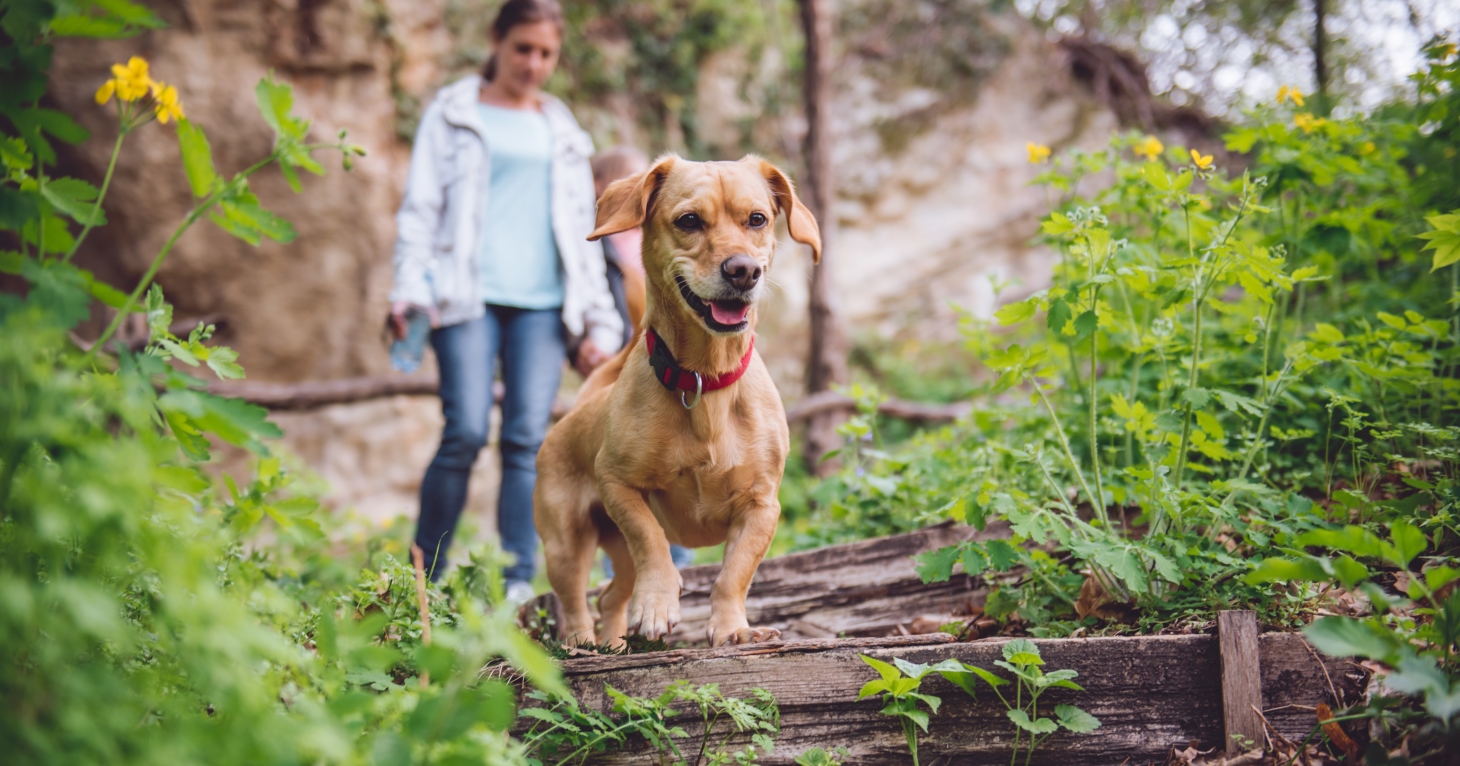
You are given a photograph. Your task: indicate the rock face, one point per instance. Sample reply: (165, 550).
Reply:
(925, 216)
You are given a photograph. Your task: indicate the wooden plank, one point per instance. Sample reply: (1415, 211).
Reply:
(866, 588)
(1151, 693)
(1241, 679)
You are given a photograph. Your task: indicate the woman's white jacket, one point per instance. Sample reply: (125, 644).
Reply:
(439, 223)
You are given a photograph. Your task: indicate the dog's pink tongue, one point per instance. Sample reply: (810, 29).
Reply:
(729, 312)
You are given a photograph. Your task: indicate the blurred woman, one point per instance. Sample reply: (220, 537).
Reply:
(491, 243)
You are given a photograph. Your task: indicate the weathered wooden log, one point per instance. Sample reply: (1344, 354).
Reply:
(311, 395)
(918, 412)
(866, 588)
(314, 394)
(1238, 639)
(1151, 693)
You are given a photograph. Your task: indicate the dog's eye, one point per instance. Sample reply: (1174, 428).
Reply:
(757, 220)
(689, 222)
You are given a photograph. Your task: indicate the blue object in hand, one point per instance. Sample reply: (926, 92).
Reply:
(406, 353)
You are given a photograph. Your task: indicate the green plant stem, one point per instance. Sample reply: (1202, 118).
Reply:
(1069, 454)
(106, 183)
(1195, 358)
(583, 750)
(1094, 434)
(1257, 440)
(192, 217)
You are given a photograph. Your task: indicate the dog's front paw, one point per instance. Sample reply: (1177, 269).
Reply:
(653, 613)
(739, 632)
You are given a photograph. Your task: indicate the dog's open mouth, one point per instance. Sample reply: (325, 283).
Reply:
(722, 315)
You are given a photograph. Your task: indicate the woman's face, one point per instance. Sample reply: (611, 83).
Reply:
(526, 57)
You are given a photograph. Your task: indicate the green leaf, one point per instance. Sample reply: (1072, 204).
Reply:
(390, 749)
(1444, 239)
(275, 101)
(937, 566)
(1197, 397)
(102, 291)
(1058, 224)
(1058, 315)
(75, 198)
(1351, 539)
(988, 677)
(1002, 555)
(1085, 324)
(1156, 175)
(1014, 313)
(1075, 719)
(245, 219)
(233, 420)
(974, 560)
(888, 672)
(1408, 542)
(873, 687)
(224, 363)
(35, 124)
(1440, 576)
(910, 669)
(1038, 726)
(1306, 569)
(17, 207)
(197, 158)
(1022, 651)
(1397, 323)
(1346, 637)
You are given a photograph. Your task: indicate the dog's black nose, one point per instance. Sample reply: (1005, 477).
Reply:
(741, 271)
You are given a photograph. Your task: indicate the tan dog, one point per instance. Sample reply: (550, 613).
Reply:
(637, 464)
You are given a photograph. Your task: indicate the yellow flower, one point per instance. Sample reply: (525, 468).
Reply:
(1367, 149)
(129, 81)
(1038, 153)
(1308, 122)
(1150, 147)
(1289, 93)
(167, 105)
(1202, 161)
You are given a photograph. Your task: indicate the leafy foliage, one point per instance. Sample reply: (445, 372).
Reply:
(1226, 374)
(900, 684)
(561, 730)
(152, 611)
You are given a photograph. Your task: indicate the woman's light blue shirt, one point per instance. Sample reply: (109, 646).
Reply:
(519, 263)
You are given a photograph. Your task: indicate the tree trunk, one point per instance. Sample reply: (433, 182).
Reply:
(1320, 56)
(827, 360)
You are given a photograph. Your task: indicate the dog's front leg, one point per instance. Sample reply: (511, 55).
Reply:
(749, 539)
(654, 606)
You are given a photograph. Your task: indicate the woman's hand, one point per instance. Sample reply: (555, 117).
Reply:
(589, 357)
(397, 319)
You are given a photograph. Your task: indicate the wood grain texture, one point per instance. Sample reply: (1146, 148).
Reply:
(1241, 678)
(1150, 693)
(867, 588)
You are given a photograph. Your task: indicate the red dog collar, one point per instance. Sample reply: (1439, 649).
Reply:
(676, 378)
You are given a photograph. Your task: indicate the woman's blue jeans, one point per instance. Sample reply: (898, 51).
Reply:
(531, 348)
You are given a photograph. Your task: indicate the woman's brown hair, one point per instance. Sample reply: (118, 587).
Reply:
(518, 12)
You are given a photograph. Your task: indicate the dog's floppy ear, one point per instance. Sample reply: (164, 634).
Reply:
(799, 220)
(625, 203)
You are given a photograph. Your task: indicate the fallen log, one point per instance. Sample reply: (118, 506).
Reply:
(867, 588)
(314, 394)
(1151, 693)
(920, 412)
